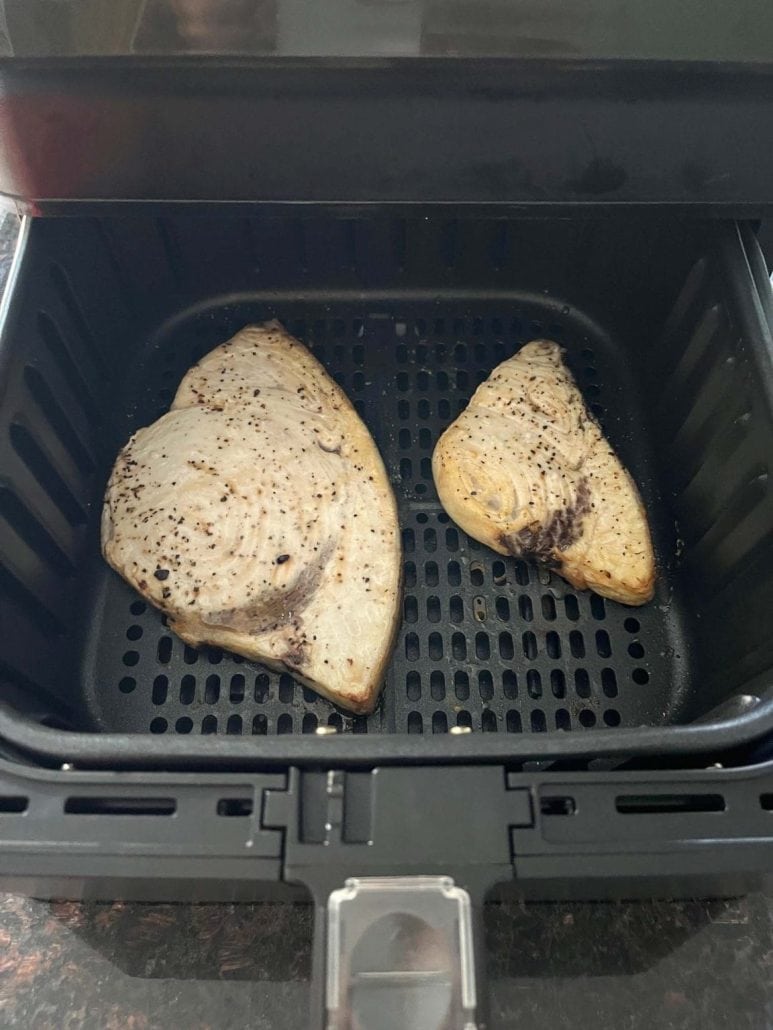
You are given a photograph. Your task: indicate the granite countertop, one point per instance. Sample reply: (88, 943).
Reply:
(685, 965)
(658, 964)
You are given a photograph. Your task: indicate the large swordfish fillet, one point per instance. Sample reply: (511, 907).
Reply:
(257, 514)
(526, 470)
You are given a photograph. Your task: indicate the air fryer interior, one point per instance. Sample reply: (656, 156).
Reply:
(408, 314)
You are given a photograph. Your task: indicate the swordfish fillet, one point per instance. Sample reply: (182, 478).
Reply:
(257, 514)
(526, 470)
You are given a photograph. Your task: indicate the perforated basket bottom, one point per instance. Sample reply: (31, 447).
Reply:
(493, 644)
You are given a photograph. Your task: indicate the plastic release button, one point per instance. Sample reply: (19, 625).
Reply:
(400, 954)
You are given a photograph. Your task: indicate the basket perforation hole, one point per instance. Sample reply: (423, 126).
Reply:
(406, 471)
(404, 410)
(479, 611)
(503, 609)
(476, 574)
(261, 688)
(461, 685)
(404, 439)
(513, 721)
(609, 682)
(237, 689)
(482, 647)
(164, 650)
(234, 725)
(444, 408)
(464, 718)
(529, 644)
(499, 573)
(410, 609)
(640, 676)
(576, 644)
(187, 690)
(603, 644)
(184, 724)
(635, 650)
(563, 719)
(413, 686)
(309, 723)
(506, 647)
(521, 573)
(159, 690)
(539, 723)
(158, 725)
(459, 647)
(485, 685)
(452, 539)
(430, 539)
(437, 685)
(571, 607)
(510, 684)
(130, 658)
(454, 573)
(415, 723)
(435, 646)
(412, 649)
(525, 608)
(138, 607)
(190, 655)
(409, 540)
(286, 689)
(409, 575)
(611, 717)
(425, 438)
(403, 381)
(433, 608)
(597, 607)
(548, 608)
(632, 625)
(439, 722)
(260, 725)
(284, 724)
(533, 684)
(431, 573)
(587, 718)
(553, 645)
(212, 689)
(127, 684)
(582, 683)
(209, 724)
(423, 409)
(134, 632)
(558, 683)
(488, 721)
(456, 609)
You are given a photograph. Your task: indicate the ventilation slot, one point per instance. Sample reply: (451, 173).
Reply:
(119, 806)
(46, 475)
(73, 308)
(639, 804)
(48, 624)
(27, 527)
(13, 804)
(238, 808)
(57, 420)
(52, 338)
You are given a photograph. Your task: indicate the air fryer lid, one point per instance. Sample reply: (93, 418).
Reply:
(280, 100)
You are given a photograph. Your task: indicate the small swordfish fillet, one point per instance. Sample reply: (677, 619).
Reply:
(257, 514)
(526, 470)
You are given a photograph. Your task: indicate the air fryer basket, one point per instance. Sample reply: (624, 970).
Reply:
(408, 314)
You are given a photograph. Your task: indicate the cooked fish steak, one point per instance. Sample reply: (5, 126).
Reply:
(526, 470)
(257, 514)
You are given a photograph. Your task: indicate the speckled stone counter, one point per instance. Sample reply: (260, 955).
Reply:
(702, 964)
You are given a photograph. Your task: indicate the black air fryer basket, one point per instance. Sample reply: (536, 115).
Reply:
(414, 221)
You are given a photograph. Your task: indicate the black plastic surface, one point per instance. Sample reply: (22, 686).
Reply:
(88, 133)
(408, 315)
